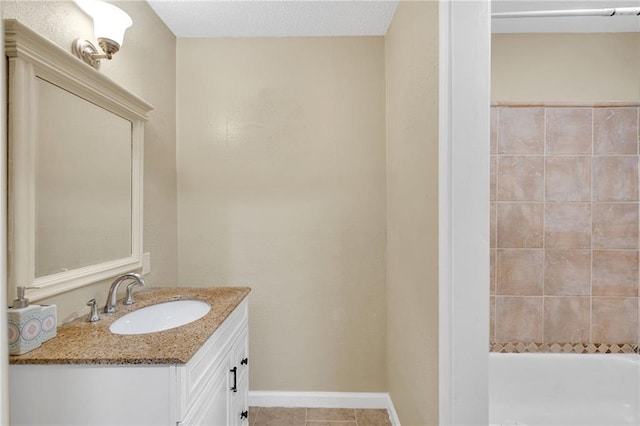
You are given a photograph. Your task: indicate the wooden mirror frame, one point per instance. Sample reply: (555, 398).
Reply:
(32, 57)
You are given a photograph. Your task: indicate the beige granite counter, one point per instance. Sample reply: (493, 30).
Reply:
(82, 342)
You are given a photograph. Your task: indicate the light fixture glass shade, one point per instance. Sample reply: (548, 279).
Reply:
(109, 21)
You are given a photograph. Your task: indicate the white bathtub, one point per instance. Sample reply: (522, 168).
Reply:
(564, 389)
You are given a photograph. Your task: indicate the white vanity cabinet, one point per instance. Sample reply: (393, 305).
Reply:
(200, 392)
(213, 385)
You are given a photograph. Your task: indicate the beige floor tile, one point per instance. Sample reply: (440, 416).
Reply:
(253, 415)
(331, 414)
(334, 423)
(372, 417)
(279, 416)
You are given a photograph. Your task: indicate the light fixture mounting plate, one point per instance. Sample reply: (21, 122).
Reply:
(86, 51)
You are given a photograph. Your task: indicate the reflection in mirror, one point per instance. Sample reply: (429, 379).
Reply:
(83, 183)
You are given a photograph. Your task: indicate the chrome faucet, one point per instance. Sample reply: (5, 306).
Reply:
(110, 306)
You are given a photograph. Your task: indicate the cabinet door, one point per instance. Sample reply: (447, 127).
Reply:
(211, 405)
(215, 382)
(238, 407)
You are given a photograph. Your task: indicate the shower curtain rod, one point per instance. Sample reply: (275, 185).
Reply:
(610, 11)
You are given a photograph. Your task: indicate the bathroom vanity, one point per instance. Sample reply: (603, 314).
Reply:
(195, 374)
(70, 230)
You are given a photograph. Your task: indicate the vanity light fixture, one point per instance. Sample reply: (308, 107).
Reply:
(109, 26)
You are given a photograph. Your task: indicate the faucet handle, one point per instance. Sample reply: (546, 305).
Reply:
(93, 315)
(128, 299)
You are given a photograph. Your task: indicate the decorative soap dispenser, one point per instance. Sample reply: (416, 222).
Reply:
(25, 325)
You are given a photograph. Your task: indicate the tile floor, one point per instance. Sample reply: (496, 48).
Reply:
(278, 416)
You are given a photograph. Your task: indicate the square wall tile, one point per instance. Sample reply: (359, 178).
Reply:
(519, 272)
(566, 319)
(638, 341)
(493, 138)
(520, 131)
(492, 319)
(615, 273)
(492, 224)
(614, 320)
(520, 225)
(567, 225)
(615, 131)
(567, 273)
(615, 178)
(567, 178)
(615, 226)
(520, 178)
(493, 167)
(492, 271)
(569, 130)
(518, 319)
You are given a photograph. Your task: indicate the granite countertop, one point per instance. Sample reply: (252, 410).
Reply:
(82, 342)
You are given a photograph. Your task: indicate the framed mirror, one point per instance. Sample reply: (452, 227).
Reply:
(75, 169)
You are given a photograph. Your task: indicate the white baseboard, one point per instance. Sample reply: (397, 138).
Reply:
(325, 400)
(393, 415)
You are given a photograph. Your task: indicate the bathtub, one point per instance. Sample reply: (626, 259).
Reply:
(564, 389)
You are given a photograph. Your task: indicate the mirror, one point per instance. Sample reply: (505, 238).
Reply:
(75, 169)
(83, 183)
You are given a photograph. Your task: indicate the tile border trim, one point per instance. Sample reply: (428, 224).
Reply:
(575, 348)
(325, 400)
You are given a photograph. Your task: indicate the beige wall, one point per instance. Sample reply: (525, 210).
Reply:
(411, 47)
(146, 67)
(565, 67)
(281, 181)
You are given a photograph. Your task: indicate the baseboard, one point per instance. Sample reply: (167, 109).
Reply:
(393, 415)
(325, 400)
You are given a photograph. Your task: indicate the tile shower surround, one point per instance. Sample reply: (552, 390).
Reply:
(564, 228)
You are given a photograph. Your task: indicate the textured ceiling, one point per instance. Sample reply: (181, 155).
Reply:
(275, 18)
(269, 18)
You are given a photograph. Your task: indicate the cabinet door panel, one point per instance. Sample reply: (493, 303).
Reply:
(61, 394)
(211, 406)
(238, 405)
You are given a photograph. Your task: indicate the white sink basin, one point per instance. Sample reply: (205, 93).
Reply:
(162, 316)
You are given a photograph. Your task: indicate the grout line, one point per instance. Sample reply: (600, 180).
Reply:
(499, 136)
(544, 224)
(593, 150)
